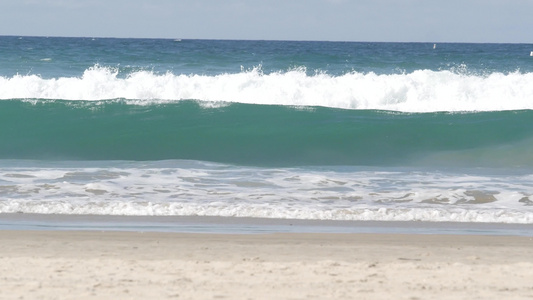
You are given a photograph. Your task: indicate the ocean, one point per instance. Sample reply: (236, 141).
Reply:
(267, 129)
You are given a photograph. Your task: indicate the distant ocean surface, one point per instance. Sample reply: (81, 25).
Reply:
(267, 129)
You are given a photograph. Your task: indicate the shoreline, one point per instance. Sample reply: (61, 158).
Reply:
(241, 225)
(162, 265)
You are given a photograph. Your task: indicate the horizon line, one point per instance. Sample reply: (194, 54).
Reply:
(256, 40)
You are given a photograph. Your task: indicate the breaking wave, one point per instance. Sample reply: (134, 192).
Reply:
(418, 91)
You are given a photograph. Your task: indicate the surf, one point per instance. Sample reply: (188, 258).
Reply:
(418, 91)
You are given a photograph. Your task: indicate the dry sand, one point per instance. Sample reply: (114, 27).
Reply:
(134, 265)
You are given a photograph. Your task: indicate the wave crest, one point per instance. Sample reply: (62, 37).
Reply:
(419, 91)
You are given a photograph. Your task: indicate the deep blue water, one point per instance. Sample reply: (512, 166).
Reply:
(72, 56)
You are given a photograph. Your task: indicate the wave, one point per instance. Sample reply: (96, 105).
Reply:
(117, 208)
(192, 188)
(418, 91)
(266, 135)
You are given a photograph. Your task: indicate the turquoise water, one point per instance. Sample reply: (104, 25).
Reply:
(276, 129)
(263, 135)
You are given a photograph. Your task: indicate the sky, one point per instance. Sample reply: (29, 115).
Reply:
(479, 21)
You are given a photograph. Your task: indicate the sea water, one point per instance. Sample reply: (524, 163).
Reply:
(267, 129)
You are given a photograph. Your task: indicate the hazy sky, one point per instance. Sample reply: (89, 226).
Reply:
(345, 20)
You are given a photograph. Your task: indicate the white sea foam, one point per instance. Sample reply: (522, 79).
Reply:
(419, 91)
(190, 188)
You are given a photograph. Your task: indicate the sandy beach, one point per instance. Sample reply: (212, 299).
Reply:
(151, 265)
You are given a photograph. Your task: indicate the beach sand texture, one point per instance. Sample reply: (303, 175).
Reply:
(136, 265)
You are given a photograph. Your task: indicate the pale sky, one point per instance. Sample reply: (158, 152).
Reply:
(331, 20)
